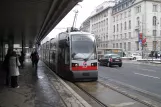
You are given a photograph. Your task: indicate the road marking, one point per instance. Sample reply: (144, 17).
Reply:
(147, 75)
(148, 70)
(123, 104)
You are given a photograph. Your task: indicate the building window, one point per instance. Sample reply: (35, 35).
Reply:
(129, 34)
(154, 20)
(155, 8)
(116, 45)
(125, 36)
(113, 45)
(154, 45)
(137, 45)
(114, 19)
(154, 32)
(129, 14)
(129, 24)
(117, 27)
(138, 9)
(125, 25)
(120, 45)
(121, 26)
(129, 46)
(121, 16)
(114, 28)
(121, 36)
(113, 37)
(138, 21)
(125, 14)
(125, 46)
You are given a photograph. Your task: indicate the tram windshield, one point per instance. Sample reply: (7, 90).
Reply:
(83, 47)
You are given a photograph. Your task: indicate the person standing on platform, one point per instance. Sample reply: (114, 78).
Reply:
(14, 69)
(6, 67)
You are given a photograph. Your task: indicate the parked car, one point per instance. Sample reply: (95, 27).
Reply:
(152, 53)
(110, 59)
(135, 56)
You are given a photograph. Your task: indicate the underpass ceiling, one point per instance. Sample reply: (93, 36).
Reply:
(31, 20)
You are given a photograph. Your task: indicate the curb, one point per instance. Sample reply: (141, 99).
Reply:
(79, 98)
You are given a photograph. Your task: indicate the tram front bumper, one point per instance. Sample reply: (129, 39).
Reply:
(93, 74)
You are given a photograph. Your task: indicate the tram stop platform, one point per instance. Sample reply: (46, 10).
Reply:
(41, 89)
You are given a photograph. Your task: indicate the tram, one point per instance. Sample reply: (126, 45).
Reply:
(72, 55)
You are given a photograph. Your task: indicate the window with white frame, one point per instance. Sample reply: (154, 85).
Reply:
(129, 34)
(154, 32)
(125, 36)
(155, 7)
(125, 46)
(116, 45)
(129, 46)
(120, 45)
(113, 37)
(114, 28)
(113, 45)
(117, 27)
(129, 14)
(125, 15)
(154, 20)
(129, 24)
(138, 9)
(125, 26)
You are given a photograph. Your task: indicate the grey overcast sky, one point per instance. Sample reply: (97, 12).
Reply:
(87, 6)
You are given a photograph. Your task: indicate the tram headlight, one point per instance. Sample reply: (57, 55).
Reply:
(94, 64)
(75, 64)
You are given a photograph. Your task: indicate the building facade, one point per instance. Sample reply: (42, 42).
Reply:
(85, 26)
(119, 25)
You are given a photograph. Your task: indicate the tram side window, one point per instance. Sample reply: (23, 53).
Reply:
(67, 57)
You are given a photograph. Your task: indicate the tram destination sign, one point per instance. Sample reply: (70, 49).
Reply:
(81, 38)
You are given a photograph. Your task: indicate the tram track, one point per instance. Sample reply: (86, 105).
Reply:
(103, 82)
(88, 94)
(114, 89)
(91, 96)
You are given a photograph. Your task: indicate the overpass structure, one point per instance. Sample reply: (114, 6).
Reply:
(27, 22)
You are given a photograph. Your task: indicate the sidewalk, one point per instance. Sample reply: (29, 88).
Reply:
(154, 61)
(42, 90)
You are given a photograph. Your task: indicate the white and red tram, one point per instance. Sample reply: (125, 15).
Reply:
(72, 55)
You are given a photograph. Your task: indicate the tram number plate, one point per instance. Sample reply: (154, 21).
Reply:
(85, 74)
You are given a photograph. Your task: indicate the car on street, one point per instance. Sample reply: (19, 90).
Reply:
(135, 56)
(110, 59)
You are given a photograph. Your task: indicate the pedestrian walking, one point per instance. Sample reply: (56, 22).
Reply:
(32, 58)
(6, 67)
(14, 69)
(21, 59)
(35, 58)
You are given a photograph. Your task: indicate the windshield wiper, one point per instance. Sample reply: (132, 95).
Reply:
(86, 59)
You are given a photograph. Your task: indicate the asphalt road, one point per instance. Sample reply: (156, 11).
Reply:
(146, 77)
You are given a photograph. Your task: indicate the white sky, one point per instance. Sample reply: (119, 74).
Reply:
(87, 6)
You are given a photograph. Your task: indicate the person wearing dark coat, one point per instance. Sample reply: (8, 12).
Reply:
(6, 67)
